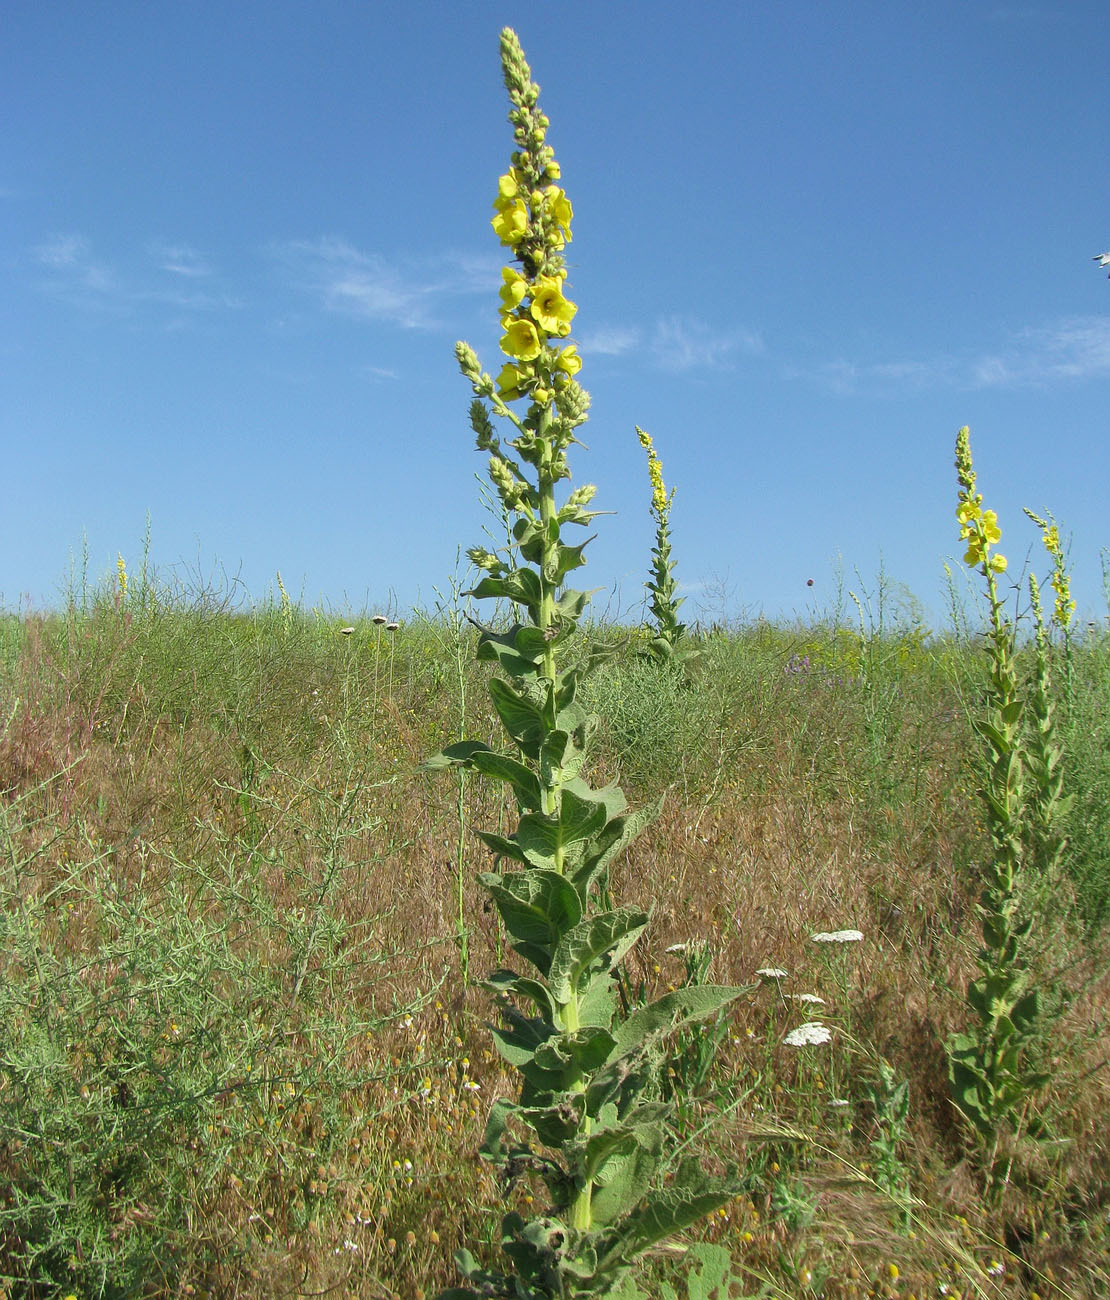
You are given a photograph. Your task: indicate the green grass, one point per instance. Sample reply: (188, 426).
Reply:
(236, 1053)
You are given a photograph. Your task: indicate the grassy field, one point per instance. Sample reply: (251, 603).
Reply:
(243, 1049)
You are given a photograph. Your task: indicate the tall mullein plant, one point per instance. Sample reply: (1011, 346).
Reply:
(661, 586)
(989, 1070)
(589, 1121)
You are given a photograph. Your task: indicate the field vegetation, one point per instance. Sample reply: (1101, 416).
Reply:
(243, 1050)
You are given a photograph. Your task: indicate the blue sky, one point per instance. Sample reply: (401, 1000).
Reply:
(238, 242)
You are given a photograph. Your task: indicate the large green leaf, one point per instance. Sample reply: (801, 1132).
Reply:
(505, 983)
(545, 837)
(503, 846)
(561, 757)
(537, 906)
(564, 1059)
(521, 716)
(457, 755)
(669, 1210)
(611, 841)
(504, 768)
(628, 1180)
(673, 1011)
(610, 934)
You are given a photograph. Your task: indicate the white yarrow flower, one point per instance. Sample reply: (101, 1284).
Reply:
(807, 997)
(837, 936)
(772, 973)
(811, 1034)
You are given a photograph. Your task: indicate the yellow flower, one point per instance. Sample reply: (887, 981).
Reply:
(511, 223)
(998, 563)
(511, 381)
(568, 361)
(553, 312)
(989, 525)
(1052, 540)
(558, 208)
(521, 341)
(514, 288)
(968, 511)
(507, 190)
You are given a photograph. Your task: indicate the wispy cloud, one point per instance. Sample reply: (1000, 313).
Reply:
(179, 259)
(682, 343)
(676, 343)
(1074, 348)
(345, 279)
(611, 340)
(69, 263)
(72, 272)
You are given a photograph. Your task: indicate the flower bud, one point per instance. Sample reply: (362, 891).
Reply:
(468, 360)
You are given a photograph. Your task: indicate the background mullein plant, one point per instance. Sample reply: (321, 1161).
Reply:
(590, 1121)
(991, 1071)
(662, 588)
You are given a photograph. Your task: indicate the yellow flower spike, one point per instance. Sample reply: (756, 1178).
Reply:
(511, 223)
(521, 341)
(550, 309)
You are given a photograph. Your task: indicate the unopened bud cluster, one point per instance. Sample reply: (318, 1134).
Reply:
(532, 217)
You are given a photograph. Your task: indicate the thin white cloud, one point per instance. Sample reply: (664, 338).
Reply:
(1074, 348)
(70, 264)
(345, 279)
(610, 340)
(179, 259)
(681, 343)
(74, 274)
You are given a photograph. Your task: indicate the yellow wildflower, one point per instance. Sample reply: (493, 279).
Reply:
(511, 223)
(967, 512)
(507, 189)
(511, 381)
(553, 312)
(559, 208)
(989, 527)
(514, 288)
(121, 575)
(521, 341)
(568, 361)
